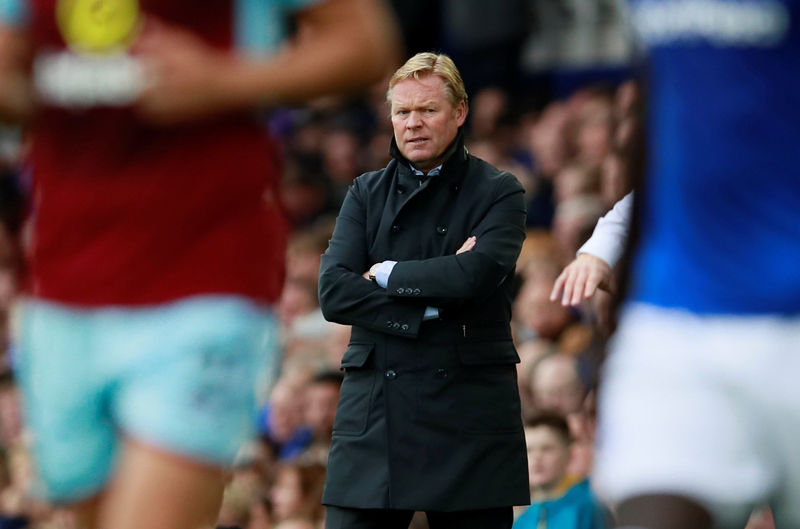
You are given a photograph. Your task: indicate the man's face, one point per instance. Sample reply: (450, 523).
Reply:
(425, 122)
(548, 457)
(321, 402)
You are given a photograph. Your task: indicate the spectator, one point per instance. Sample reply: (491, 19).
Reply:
(557, 386)
(297, 492)
(282, 420)
(322, 398)
(558, 500)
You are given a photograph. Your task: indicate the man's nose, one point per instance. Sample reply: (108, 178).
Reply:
(414, 120)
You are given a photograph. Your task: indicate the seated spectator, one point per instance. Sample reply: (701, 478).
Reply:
(535, 315)
(574, 221)
(558, 500)
(557, 387)
(322, 397)
(576, 179)
(297, 492)
(247, 487)
(281, 421)
(592, 125)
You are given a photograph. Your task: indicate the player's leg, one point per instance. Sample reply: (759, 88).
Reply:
(662, 511)
(185, 403)
(158, 490)
(777, 381)
(64, 399)
(680, 442)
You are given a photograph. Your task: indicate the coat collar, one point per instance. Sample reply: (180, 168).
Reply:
(455, 156)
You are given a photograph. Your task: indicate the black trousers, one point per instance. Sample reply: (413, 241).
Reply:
(347, 518)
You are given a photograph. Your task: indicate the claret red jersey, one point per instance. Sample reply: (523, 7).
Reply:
(126, 213)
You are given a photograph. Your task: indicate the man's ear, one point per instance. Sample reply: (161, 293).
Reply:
(461, 112)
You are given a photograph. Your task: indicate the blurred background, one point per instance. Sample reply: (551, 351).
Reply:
(552, 100)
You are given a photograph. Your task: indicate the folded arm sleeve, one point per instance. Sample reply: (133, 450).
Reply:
(345, 296)
(608, 239)
(476, 273)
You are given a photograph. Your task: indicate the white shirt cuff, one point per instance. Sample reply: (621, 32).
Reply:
(431, 313)
(383, 272)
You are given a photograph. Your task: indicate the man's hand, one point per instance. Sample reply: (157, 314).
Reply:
(468, 245)
(581, 278)
(373, 270)
(186, 78)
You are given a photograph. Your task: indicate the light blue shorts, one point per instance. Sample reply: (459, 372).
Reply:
(179, 377)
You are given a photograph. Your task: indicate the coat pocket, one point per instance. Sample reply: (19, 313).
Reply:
(355, 397)
(487, 389)
(356, 355)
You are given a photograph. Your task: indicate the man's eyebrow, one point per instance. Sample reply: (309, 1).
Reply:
(428, 103)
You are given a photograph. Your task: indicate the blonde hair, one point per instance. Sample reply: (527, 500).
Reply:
(428, 63)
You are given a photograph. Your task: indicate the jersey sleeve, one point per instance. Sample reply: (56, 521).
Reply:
(13, 12)
(260, 25)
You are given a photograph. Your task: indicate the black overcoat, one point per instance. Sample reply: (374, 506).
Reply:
(429, 413)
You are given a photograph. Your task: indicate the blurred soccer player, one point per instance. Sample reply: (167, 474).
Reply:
(157, 244)
(700, 409)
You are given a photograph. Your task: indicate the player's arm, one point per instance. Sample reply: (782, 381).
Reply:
(340, 45)
(16, 96)
(592, 268)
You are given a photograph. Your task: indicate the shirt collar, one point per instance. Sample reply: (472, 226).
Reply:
(433, 172)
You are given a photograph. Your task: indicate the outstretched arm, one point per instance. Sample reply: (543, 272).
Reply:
(341, 45)
(591, 269)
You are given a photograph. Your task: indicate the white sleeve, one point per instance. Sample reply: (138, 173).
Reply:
(383, 272)
(608, 239)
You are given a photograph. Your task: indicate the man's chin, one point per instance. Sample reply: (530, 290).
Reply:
(421, 162)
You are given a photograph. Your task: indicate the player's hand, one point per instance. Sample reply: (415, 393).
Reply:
(581, 278)
(468, 245)
(186, 78)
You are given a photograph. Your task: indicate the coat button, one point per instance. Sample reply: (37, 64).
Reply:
(396, 228)
(441, 230)
(390, 374)
(456, 188)
(417, 292)
(395, 325)
(441, 373)
(400, 190)
(404, 326)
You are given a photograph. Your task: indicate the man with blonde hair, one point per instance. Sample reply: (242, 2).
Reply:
(420, 264)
